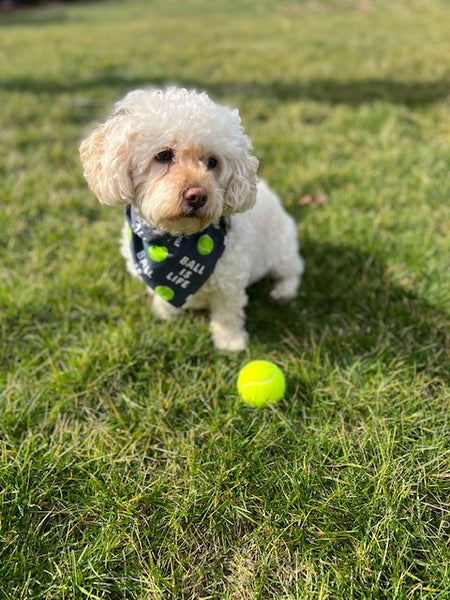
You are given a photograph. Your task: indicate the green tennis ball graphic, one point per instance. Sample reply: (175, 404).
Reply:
(205, 245)
(165, 292)
(158, 253)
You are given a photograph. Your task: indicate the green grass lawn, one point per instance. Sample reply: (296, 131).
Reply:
(129, 468)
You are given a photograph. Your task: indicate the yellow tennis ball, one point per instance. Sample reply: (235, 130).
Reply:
(260, 383)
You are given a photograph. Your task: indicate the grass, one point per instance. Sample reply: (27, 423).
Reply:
(129, 468)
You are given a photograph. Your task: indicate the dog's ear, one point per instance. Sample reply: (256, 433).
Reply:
(240, 194)
(105, 156)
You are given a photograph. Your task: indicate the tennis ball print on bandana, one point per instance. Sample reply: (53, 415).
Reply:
(175, 267)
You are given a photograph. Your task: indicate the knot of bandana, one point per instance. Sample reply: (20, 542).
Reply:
(175, 267)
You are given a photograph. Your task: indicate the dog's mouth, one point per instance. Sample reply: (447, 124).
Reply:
(187, 224)
(196, 212)
(193, 211)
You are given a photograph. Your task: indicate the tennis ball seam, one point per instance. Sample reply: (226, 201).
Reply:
(265, 382)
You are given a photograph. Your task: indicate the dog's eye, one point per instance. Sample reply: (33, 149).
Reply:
(165, 157)
(211, 163)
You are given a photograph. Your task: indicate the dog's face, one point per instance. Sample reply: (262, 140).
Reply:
(181, 159)
(182, 190)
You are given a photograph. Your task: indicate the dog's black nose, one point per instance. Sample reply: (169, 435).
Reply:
(195, 197)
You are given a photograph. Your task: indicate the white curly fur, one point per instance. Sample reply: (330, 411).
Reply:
(121, 165)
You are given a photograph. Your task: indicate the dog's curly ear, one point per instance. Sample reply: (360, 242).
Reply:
(105, 156)
(240, 194)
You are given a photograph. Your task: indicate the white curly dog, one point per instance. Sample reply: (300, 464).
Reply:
(199, 227)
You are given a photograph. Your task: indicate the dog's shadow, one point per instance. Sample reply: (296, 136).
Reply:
(350, 305)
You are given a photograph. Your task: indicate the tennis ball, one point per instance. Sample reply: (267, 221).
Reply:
(165, 292)
(158, 253)
(261, 383)
(205, 245)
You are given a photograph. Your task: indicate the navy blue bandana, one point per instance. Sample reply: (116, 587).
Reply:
(174, 267)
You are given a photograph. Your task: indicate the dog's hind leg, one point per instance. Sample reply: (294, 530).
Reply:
(287, 284)
(287, 271)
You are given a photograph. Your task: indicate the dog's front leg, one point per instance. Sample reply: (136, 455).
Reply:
(227, 322)
(163, 309)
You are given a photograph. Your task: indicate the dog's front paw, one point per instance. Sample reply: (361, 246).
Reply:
(229, 340)
(163, 309)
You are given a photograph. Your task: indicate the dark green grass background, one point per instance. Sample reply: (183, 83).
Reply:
(129, 468)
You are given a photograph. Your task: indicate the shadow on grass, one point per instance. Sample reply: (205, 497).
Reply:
(350, 306)
(328, 90)
(31, 15)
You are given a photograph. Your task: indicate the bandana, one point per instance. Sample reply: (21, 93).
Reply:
(174, 267)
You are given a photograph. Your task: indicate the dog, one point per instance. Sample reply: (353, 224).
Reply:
(200, 228)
